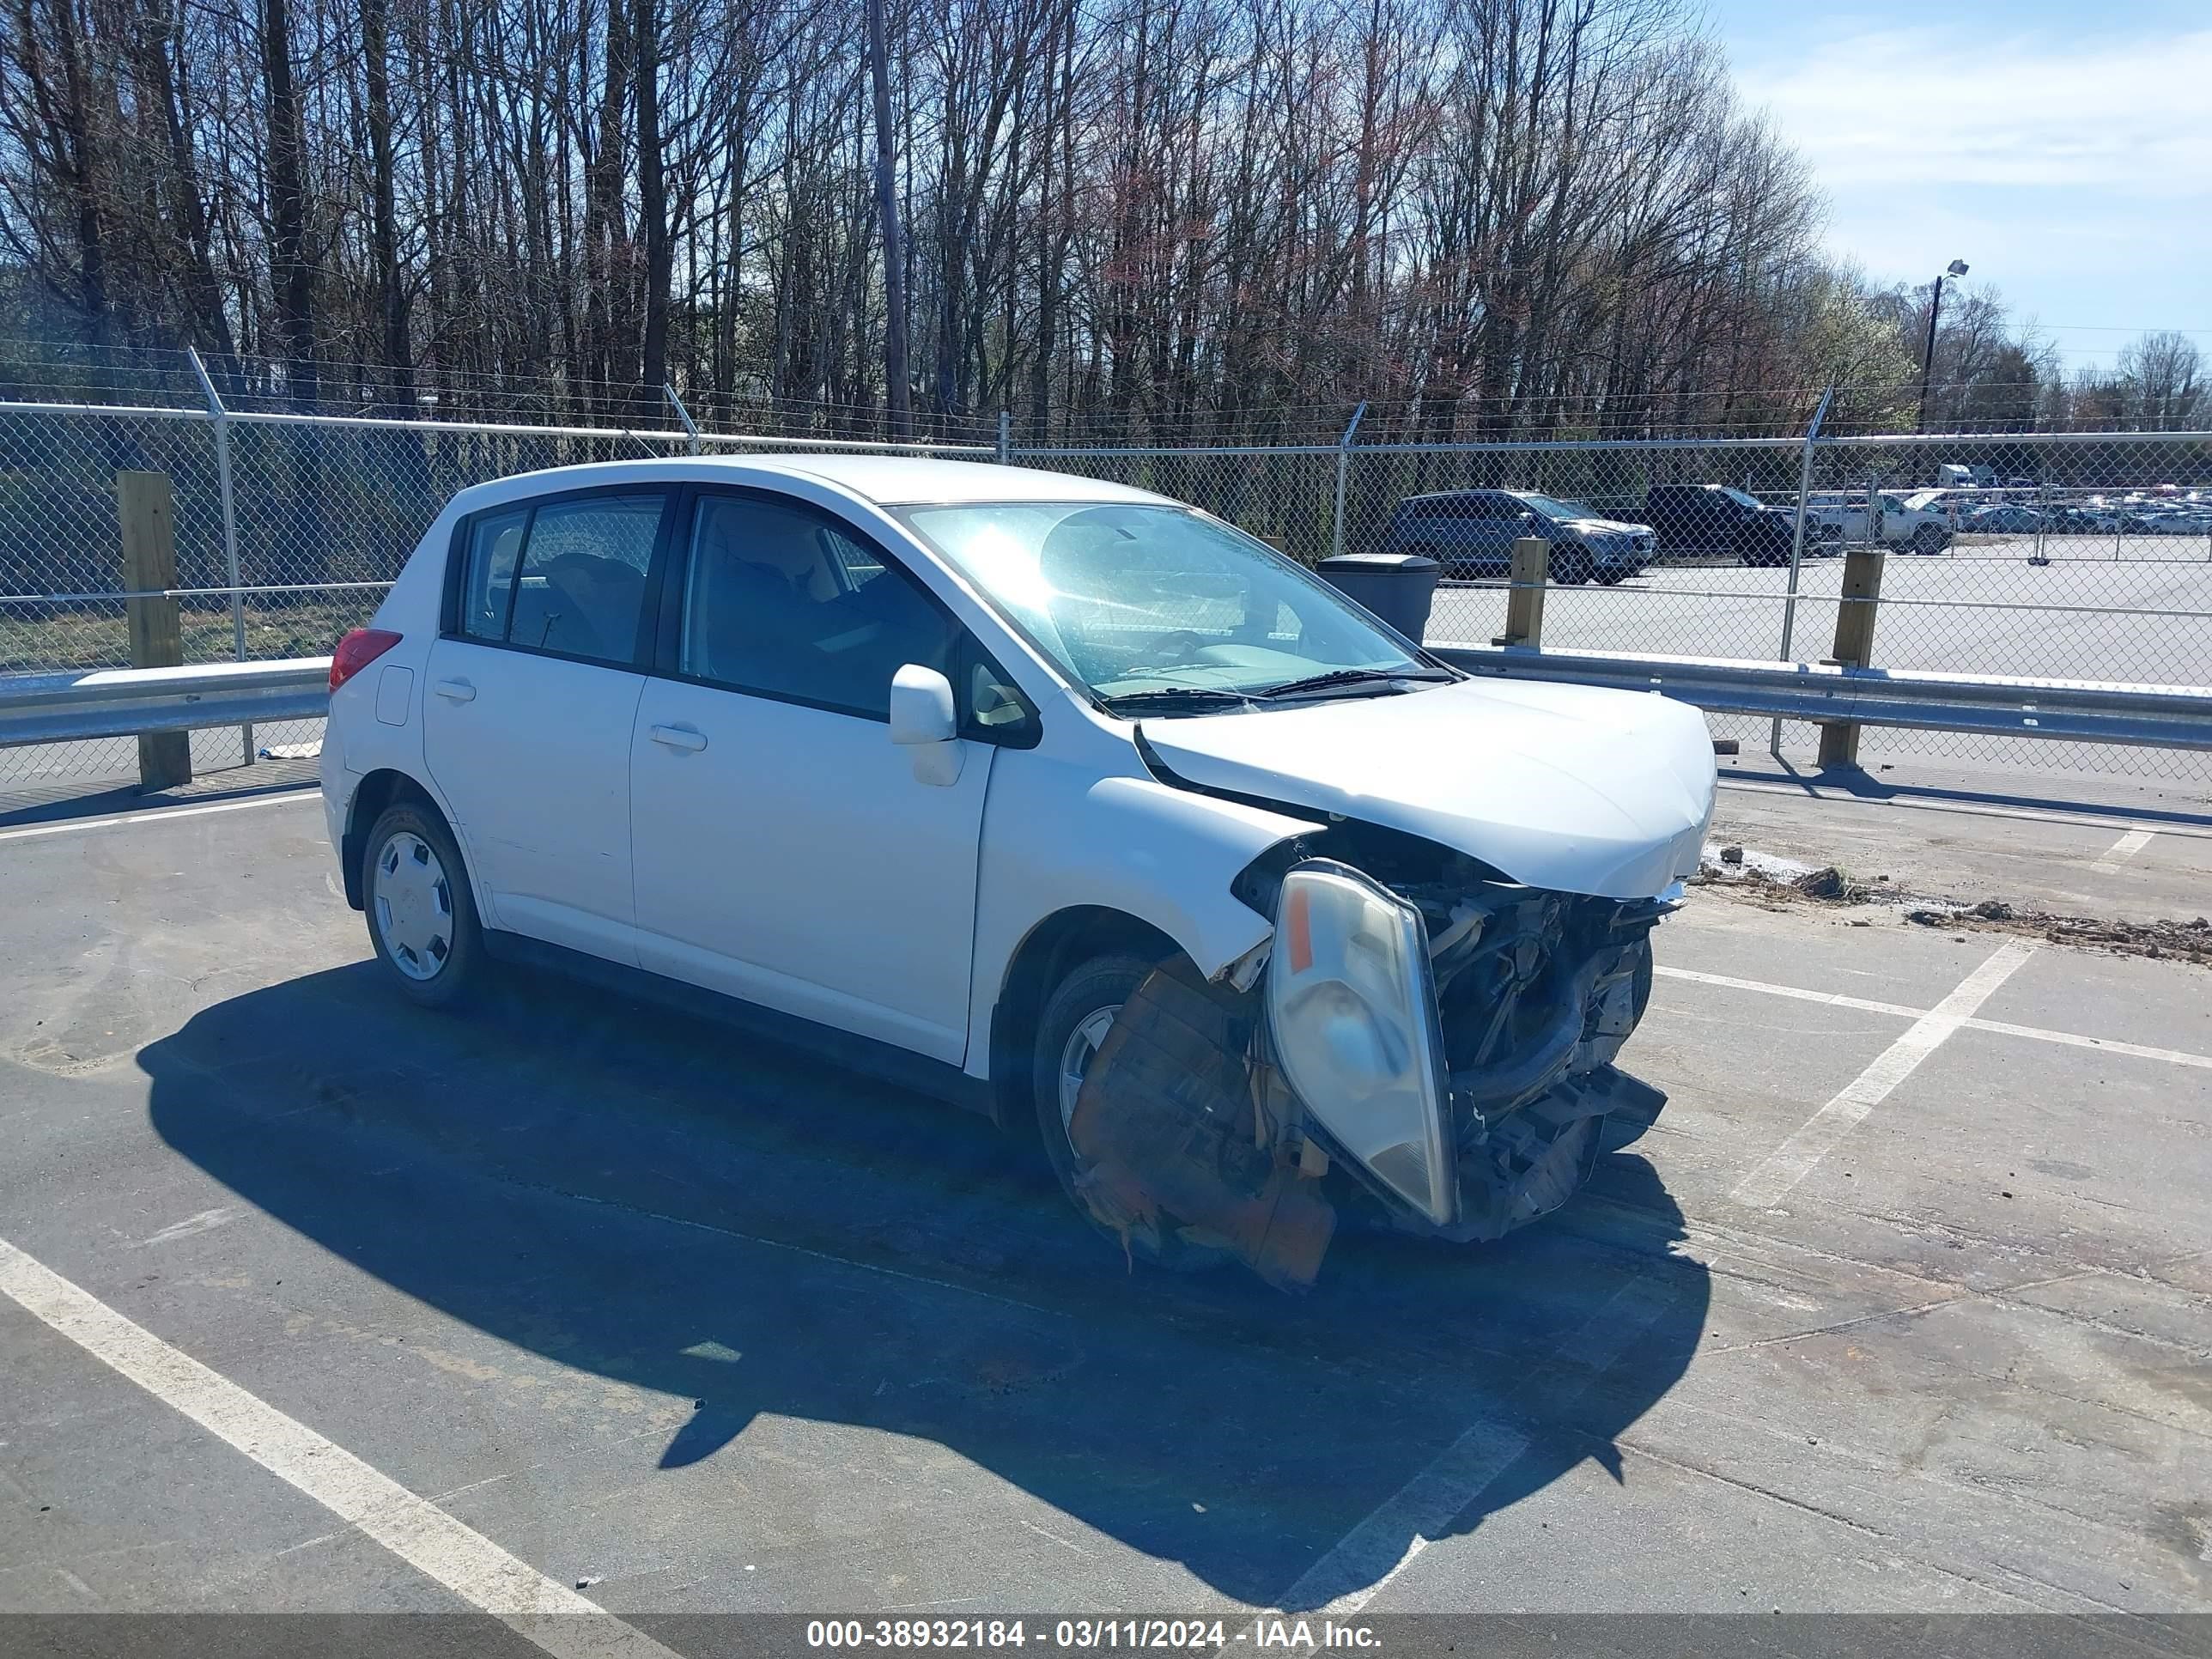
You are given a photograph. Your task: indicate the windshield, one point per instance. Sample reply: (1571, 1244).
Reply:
(1550, 506)
(1739, 497)
(1145, 601)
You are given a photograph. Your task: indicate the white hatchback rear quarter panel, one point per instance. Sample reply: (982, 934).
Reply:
(356, 739)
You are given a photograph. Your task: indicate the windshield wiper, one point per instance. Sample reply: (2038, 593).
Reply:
(1337, 677)
(1177, 697)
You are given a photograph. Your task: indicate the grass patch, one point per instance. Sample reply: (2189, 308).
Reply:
(97, 637)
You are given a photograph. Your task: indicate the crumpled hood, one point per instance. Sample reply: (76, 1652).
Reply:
(1568, 787)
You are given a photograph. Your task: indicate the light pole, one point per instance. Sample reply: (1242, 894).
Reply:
(1956, 268)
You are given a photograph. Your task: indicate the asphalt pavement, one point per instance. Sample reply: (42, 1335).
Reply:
(1980, 609)
(318, 1303)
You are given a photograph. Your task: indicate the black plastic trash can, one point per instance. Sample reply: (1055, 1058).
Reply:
(1397, 586)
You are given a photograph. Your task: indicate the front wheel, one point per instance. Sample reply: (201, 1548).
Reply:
(1570, 566)
(1075, 1021)
(1928, 539)
(422, 916)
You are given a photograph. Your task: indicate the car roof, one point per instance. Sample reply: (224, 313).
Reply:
(1452, 495)
(884, 480)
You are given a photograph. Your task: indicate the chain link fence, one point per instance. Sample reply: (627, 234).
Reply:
(2053, 554)
(2065, 555)
(296, 546)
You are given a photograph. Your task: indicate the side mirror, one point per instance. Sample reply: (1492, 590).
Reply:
(924, 724)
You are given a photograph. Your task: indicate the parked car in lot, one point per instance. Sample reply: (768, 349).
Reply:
(1689, 519)
(1471, 532)
(1918, 522)
(2174, 518)
(2083, 521)
(2003, 519)
(1052, 797)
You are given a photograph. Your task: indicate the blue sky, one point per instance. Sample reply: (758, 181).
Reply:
(2063, 150)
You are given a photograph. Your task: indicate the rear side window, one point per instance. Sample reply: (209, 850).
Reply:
(582, 587)
(488, 573)
(567, 577)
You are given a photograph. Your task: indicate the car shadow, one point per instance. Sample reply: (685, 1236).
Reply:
(654, 1199)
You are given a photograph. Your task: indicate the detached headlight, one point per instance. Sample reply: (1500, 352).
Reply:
(1353, 1017)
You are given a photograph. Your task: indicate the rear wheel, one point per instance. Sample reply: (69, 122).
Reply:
(1075, 1021)
(422, 916)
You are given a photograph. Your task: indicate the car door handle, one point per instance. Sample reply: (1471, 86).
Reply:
(455, 690)
(679, 737)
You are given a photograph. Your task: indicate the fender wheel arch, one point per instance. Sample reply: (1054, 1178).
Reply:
(375, 792)
(1053, 949)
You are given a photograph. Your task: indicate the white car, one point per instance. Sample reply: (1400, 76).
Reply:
(1051, 797)
(1919, 522)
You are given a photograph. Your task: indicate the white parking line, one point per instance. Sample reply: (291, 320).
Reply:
(2122, 850)
(2170, 1056)
(463, 1561)
(1362, 1563)
(162, 815)
(1831, 999)
(1791, 1161)
(2001, 1027)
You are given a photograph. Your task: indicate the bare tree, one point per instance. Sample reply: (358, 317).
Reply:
(1145, 218)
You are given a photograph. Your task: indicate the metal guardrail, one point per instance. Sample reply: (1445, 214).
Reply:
(2080, 711)
(116, 702)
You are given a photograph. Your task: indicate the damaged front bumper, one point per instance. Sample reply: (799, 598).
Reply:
(1434, 1053)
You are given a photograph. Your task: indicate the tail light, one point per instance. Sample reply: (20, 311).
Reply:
(357, 650)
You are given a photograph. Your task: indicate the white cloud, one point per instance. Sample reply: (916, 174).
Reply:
(1912, 108)
(2073, 174)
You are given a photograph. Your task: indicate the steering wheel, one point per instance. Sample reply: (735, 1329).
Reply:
(1184, 644)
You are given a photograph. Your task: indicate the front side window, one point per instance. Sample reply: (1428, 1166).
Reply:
(1548, 507)
(1138, 600)
(780, 601)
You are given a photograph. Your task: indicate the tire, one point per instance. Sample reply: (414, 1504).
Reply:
(1613, 577)
(1928, 540)
(1097, 986)
(1570, 566)
(421, 915)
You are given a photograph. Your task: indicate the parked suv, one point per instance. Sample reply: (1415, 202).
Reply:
(1471, 532)
(1051, 797)
(1689, 519)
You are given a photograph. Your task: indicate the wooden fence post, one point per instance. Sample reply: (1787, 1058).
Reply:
(1855, 616)
(1524, 599)
(144, 504)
